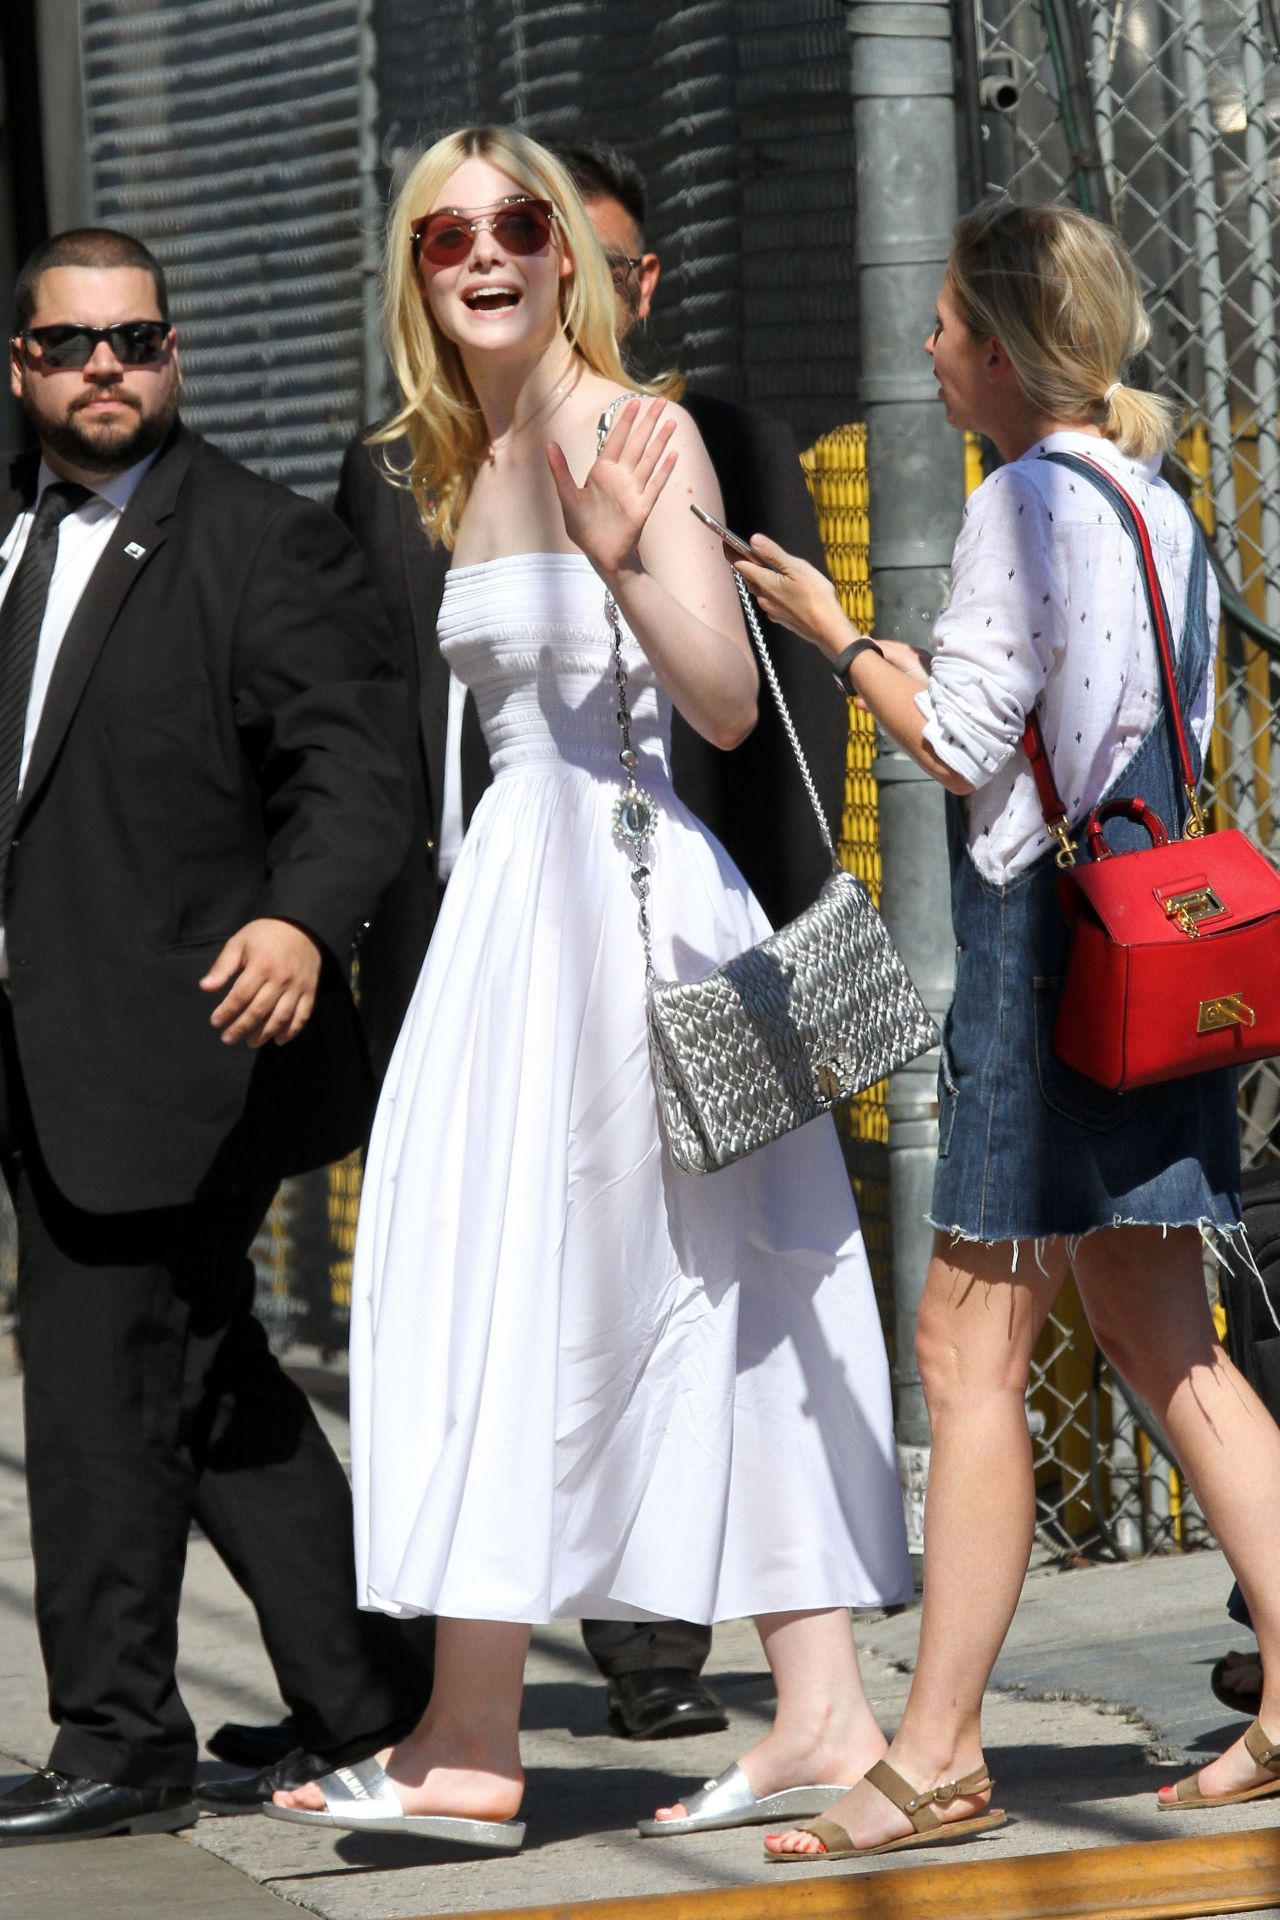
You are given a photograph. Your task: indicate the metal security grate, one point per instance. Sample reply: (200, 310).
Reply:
(738, 112)
(226, 134)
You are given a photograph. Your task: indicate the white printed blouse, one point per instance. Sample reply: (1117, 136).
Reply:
(1047, 607)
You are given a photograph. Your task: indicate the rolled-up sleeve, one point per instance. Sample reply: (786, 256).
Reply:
(995, 640)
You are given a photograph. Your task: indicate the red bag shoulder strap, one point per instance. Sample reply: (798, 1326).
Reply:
(1054, 812)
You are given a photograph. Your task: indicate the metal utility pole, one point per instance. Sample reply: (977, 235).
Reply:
(373, 384)
(904, 133)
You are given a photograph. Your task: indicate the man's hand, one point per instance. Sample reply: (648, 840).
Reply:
(276, 969)
(913, 661)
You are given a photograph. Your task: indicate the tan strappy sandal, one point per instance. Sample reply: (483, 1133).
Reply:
(917, 1805)
(1266, 1754)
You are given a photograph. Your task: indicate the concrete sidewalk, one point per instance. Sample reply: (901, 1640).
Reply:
(1101, 1694)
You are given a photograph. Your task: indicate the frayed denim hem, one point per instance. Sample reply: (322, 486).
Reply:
(1225, 1243)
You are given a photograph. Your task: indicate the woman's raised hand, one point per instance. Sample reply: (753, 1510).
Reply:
(605, 516)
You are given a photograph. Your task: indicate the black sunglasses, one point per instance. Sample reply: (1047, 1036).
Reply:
(135, 343)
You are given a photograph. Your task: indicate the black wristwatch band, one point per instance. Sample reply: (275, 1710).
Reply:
(843, 661)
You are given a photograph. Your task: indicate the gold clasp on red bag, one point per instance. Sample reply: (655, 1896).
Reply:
(1228, 1010)
(1067, 848)
(1187, 910)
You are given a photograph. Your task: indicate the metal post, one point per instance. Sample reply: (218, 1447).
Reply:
(1212, 300)
(1102, 33)
(62, 108)
(1211, 292)
(373, 384)
(904, 132)
(1264, 291)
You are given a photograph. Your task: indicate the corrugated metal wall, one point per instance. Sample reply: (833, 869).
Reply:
(738, 112)
(225, 133)
(230, 136)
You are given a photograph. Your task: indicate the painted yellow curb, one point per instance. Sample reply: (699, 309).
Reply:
(1149, 1880)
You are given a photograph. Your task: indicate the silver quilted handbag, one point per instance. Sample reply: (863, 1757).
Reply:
(816, 1013)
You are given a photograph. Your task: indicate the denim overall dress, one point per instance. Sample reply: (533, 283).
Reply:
(1027, 1147)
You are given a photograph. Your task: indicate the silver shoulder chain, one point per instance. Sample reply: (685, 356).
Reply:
(635, 812)
(753, 624)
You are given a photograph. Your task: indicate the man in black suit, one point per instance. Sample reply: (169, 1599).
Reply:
(752, 799)
(202, 737)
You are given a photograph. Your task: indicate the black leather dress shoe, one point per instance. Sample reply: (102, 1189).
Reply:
(249, 1792)
(242, 1746)
(65, 1806)
(663, 1703)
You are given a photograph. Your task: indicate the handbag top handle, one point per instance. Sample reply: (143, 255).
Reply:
(1056, 818)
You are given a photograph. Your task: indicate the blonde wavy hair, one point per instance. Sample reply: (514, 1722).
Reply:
(1059, 292)
(439, 414)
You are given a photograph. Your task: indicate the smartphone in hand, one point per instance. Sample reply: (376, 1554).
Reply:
(734, 540)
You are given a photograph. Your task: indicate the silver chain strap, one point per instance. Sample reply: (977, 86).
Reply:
(635, 812)
(753, 623)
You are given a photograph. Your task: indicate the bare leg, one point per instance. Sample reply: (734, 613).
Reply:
(823, 1729)
(978, 1323)
(1145, 1296)
(463, 1757)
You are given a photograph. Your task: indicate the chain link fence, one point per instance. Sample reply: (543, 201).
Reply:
(1162, 116)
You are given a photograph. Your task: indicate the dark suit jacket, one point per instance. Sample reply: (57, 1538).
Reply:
(225, 737)
(753, 799)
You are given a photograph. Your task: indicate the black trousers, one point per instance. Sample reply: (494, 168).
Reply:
(1252, 1339)
(152, 1398)
(641, 1646)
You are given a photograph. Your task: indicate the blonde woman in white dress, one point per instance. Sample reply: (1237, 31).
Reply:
(584, 1384)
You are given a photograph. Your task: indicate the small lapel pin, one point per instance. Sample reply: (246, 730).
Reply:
(134, 551)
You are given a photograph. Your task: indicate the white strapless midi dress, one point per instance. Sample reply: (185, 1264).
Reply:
(584, 1384)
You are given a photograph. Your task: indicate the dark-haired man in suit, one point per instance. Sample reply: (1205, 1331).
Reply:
(752, 799)
(202, 738)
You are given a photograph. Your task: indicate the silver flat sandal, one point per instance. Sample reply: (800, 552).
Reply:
(361, 1799)
(729, 1802)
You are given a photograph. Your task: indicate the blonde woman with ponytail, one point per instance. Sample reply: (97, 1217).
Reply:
(577, 1375)
(1039, 1170)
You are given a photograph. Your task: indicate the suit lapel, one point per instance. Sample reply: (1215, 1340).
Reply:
(425, 567)
(18, 490)
(138, 536)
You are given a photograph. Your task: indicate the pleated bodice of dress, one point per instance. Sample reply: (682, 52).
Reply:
(527, 635)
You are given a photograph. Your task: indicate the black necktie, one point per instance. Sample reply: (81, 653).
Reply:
(21, 618)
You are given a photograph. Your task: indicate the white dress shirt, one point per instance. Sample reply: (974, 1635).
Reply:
(1047, 609)
(449, 838)
(82, 540)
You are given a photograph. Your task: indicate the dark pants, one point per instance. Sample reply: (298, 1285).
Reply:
(1253, 1339)
(640, 1646)
(151, 1399)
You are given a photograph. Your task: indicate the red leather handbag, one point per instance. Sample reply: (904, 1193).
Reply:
(1174, 966)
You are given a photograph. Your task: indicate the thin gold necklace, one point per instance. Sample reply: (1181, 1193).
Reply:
(556, 394)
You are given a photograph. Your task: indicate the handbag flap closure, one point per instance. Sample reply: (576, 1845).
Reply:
(1188, 889)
